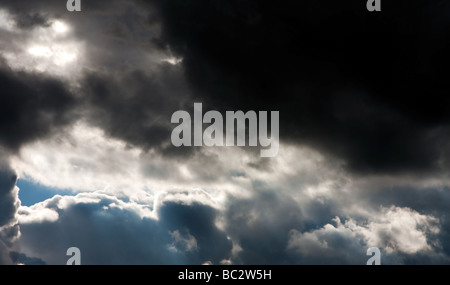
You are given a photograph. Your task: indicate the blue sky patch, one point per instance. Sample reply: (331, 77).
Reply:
(31, 193)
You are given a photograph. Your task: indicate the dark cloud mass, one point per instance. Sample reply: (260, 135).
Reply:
(31, 106)
(135, 106)
(367, 87)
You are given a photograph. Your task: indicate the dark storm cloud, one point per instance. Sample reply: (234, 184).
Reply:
(9, 204)
(135, 106)
(369, 87)
(31, 106)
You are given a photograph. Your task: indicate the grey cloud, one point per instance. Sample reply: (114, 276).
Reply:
(8, 200)
(238, 55)
(9, 204)
(20, 258)
(31, 20)
(136, 107)
(327, 246)
(199, 220)
(367, 89)
(4, 258)
(185, 242)
(53, 6)
(112, 235)
(31, 106)
(125, 87)
(260, 226)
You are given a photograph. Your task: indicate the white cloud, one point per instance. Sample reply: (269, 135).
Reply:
(83, 158)
(398, 229)
(394, 230)
(47, 211)
(37, 214)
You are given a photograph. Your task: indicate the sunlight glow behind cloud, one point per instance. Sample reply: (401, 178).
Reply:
(46, 49)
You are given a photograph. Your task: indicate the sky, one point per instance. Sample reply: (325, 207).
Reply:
(86, 158)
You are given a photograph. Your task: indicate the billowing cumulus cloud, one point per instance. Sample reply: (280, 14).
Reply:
(86, 103)
(111, 231)
(398, 230)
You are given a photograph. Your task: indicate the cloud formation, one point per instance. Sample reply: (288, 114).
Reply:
(394, 230)
(32, 106)
(9, 203)
(366, 88)
(111, 231)
(86, 105)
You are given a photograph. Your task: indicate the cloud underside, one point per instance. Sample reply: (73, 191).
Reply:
(86, 105)
(110, 231)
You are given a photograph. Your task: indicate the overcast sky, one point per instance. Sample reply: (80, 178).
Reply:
(86, 102)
